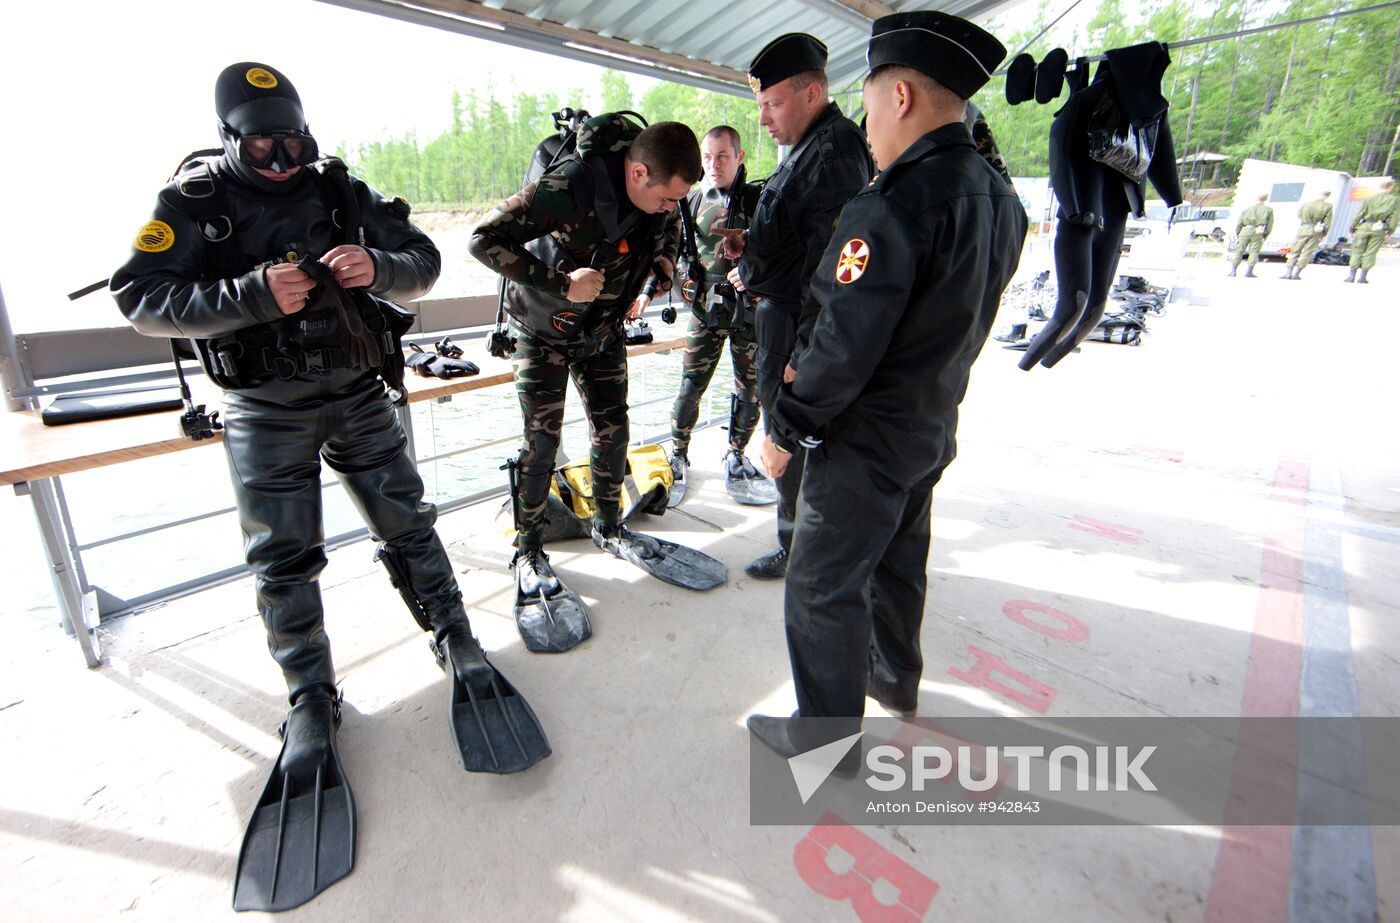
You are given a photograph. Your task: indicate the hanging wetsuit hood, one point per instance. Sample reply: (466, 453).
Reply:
(257, 99)
(1137, 75)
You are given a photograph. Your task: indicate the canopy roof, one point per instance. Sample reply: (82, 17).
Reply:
(707, 44)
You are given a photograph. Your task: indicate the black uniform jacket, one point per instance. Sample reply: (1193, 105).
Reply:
(797, 212)
(162, 291)
(907, 290)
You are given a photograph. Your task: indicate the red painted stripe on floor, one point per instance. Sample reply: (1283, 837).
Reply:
(1250, 881)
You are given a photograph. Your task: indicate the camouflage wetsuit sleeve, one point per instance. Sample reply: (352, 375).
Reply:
(663, 268)
(499, 240)
(986, 144)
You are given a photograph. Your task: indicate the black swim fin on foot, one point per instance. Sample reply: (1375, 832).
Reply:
(550, 617)
(301, 839)
(680, 469)
(493, 726)
(666, 561)
(745, 485)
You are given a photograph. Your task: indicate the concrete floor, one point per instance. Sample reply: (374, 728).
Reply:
(1147, 492)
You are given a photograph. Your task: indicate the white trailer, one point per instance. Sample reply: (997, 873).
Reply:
(1289, 187)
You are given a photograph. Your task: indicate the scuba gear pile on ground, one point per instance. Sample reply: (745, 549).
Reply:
(1026, 307)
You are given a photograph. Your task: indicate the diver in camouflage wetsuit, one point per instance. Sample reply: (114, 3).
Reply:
(576, 248)
(726, 203)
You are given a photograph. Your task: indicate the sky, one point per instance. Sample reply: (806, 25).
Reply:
(99, 102)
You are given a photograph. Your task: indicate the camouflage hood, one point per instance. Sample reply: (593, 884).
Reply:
(609, 133)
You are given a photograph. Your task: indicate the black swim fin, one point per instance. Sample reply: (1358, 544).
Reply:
(666, 561)
(301, 839)
(493, 726)
(680, 468)
(745, 485)
(550, 617)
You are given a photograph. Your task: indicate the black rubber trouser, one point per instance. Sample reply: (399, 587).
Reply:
(776, 328)
(274, 452)
(856, 585)
(1087, 247)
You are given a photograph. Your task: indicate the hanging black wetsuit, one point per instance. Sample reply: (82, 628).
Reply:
(1096, 200)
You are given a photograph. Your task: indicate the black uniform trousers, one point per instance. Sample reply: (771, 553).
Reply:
(856, 584)
(274, 451)
(776, 330)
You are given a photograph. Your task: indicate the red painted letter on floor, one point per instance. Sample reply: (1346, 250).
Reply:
(1126, 534)
(988, 664)
(1073, 630)
(865, 864)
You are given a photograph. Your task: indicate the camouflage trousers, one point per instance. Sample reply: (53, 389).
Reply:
(1365, 244)
(1304, 247)
(598, 367)
(1249, 245)
(703, 350)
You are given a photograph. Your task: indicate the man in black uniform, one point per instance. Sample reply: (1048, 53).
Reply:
(828, 163)
(272, 262)
(907, 292)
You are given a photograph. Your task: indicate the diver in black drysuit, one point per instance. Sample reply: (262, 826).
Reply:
(278, 429)
(247, 255)
(1096, 200)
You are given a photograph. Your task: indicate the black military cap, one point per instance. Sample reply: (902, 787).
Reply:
(253, 98)
(794, 53)
(952, 51)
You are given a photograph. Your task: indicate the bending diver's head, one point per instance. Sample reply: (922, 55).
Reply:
(264, 132)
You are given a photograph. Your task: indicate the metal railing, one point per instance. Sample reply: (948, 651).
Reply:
(112, 604)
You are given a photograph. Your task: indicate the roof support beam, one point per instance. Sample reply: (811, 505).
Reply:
(857, 13)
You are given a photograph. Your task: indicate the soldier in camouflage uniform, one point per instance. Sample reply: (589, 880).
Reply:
(1253, 228)
(1313, 221)
(576, 249)
(722, 158)
(1374, 222)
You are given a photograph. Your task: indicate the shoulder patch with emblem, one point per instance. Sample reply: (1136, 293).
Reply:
(154, 237)
(852, 262)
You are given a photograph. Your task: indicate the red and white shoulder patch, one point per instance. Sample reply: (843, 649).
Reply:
(854, 257)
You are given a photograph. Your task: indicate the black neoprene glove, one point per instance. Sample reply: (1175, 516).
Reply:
(431, 365)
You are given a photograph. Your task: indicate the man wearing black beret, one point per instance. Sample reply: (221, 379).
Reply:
(906, 293)
(827, 164)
